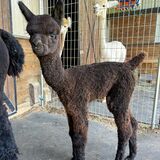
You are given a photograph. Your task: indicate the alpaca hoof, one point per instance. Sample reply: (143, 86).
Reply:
(10, 157)
(129, 158)
(74, 158)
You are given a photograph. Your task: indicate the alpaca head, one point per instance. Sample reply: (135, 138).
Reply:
(66, 23)
(100, 8)
(44, 30)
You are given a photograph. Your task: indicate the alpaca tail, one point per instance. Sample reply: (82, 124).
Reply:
(135, 61)
(16, 54)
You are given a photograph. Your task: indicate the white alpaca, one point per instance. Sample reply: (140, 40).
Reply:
(64, 29)
(113, 51)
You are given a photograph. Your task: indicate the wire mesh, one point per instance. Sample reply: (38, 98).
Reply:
(136, 26)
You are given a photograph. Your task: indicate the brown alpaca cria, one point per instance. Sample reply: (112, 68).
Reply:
(81, 84)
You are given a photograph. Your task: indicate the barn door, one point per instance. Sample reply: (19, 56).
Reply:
(9, 96)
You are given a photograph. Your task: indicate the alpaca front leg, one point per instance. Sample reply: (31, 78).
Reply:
(78, 144)
(78, 127)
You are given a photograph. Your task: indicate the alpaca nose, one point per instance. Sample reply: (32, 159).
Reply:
(36, 42)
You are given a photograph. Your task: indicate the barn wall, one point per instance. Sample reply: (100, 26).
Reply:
(5, 15)
(5, 24)
(30, 74)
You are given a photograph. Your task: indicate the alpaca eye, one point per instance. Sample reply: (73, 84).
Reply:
(53, 35)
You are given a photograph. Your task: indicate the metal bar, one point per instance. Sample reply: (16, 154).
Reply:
(41, 7)
(154, 113)
(42, 91)
(15, 93)
(14, 78)
(10, 105)
(42, 79)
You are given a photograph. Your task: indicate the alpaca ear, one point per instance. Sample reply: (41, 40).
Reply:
(58, 11)
(25, 11)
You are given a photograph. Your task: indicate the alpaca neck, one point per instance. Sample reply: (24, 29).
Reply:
(53, 71)
(63, 37)
(104, 35)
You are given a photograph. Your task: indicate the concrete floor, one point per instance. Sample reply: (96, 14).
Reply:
(44, 136)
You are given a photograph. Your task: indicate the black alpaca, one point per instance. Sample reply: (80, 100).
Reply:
(11, 61)
(79, 85)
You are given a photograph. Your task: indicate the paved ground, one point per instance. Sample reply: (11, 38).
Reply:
(43, 136)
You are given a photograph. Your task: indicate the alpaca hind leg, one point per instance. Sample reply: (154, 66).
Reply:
(118, 102)
(133, 140)
(78, 127)
(124, 129)
(8, 148)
